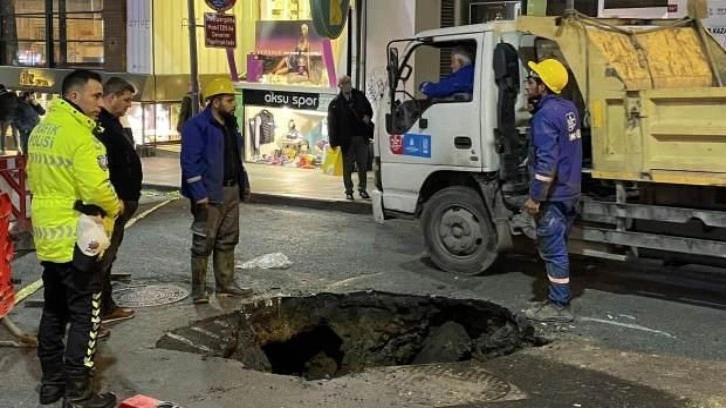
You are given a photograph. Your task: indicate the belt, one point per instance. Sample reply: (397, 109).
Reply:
(229, 183)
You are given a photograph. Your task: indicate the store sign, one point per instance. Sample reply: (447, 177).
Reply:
(279, 99)
(221, 5)
(330, 16)
(34, 79)
(220, 30)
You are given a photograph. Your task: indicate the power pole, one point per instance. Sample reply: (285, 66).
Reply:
(570, 5)
(193, 58)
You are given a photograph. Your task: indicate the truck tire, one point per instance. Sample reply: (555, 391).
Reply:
(458, 231)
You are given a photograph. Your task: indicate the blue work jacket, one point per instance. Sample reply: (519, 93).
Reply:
(555, 159)
(202, 158)
(461, 81)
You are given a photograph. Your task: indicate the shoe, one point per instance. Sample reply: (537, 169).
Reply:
(80, 395)
(364, 195)
(235, 291)
(103, 333)
(199, 280)
(549, 312)
(51, 393)
(119, 314)
(349, 197)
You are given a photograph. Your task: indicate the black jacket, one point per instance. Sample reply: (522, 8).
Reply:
(345, 119)
(124, 163)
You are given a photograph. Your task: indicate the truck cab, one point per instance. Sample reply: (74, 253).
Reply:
(458, 163)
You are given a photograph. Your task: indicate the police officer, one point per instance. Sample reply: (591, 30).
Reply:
(67, 170)
(215, 181)
(555, 166)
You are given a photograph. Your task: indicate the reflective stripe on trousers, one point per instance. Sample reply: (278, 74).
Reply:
(553, 227)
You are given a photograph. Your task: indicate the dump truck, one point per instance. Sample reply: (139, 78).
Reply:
(653, 107)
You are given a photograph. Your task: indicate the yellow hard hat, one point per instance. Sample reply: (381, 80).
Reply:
(552, 73)
(218, 86)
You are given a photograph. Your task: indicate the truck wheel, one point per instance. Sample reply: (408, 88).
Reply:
(458, 231)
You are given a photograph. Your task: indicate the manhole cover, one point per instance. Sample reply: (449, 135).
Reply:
(445, 385)
(332, 335)
(148, 296)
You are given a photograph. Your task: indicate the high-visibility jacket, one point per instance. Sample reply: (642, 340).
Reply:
(66, 163)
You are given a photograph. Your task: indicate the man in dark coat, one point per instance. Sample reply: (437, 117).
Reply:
(126, 175)
(351, 129)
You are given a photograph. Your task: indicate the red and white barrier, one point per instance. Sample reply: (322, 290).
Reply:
(13, 182)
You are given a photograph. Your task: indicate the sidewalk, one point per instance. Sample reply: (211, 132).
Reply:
(270, 184)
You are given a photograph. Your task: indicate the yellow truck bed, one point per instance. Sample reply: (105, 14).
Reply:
(654, 95)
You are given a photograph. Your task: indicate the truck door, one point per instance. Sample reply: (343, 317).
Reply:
(442, 133)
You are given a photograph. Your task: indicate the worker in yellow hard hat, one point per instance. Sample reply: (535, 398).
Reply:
(555, 167)
(214, 179)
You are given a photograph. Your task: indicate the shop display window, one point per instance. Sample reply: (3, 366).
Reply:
(76, 38)
(154, 123)
(286, 137)
(288, 50)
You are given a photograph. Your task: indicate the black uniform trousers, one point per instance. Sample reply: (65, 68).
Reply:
(71, 297)
(109, 257)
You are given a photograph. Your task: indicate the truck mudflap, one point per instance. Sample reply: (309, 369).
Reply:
(377, 200)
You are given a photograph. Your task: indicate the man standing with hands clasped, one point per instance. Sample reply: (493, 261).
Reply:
(555, 166)
(126, 174)
(351, 129)
(68, 174)
(214, 180)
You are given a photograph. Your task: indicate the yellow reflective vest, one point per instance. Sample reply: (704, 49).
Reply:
(66, 163)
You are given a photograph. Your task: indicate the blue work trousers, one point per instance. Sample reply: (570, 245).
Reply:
(553, 228)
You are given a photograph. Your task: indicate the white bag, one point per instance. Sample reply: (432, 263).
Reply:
(92, 239)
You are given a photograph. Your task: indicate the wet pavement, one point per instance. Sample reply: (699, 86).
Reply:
(645, 335)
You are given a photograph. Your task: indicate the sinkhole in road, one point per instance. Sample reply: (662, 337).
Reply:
(332, 335)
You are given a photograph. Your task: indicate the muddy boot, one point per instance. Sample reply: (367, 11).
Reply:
(199, 280)
(549, 312)
(224, 275)
(80, 395)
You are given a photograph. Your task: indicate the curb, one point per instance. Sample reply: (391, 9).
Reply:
(348, 207)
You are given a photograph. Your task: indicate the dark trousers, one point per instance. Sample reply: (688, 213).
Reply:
(356, 153)
(109, 257)
(553, 229)
(71, 297)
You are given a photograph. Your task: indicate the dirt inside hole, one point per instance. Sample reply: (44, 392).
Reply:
(332, 335)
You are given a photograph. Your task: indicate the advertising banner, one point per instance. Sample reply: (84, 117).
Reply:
(289, 52)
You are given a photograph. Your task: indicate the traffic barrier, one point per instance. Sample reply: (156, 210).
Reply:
(7, 291)
(13, 181)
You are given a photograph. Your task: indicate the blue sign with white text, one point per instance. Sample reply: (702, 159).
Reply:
(417, 145)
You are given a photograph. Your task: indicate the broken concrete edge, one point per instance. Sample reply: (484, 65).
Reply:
(349, 207)
(264, 331)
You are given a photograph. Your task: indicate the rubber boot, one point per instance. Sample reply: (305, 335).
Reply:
(224, 275)
(199, 280)
(80, 395)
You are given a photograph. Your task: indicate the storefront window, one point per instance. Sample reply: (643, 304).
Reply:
(288, 50)
(154, 123)
(284, 136)
(76, 35)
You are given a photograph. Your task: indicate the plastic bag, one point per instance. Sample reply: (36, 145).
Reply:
(333, 162)
(275, 260)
